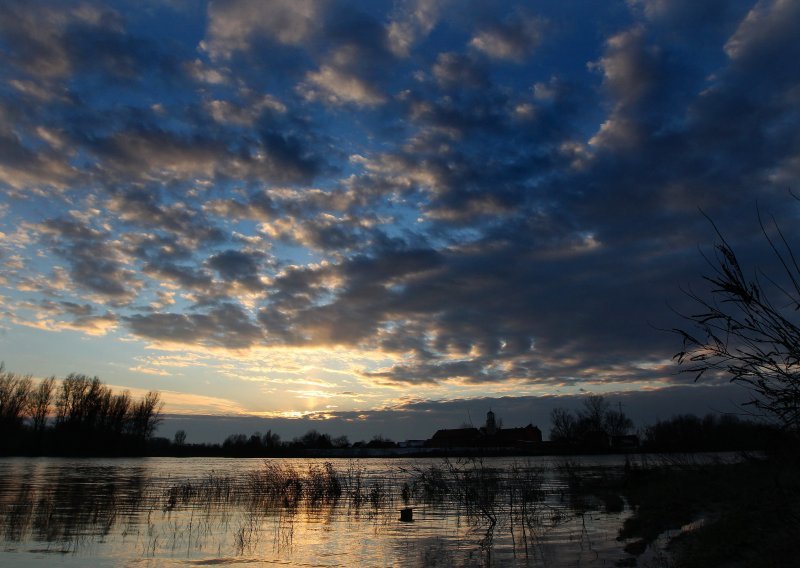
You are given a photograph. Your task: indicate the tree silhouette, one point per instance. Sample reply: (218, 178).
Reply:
(39, 403)
(180, 437)
(747, 328)
(592, 425)
(14, 393)
(78, 415)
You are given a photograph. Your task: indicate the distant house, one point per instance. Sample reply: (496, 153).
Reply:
(488, 436)
(515, 437)
(455, 438)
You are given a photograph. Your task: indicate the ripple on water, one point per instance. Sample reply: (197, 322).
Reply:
(301, 512)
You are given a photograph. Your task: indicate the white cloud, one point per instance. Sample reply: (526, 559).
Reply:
(232, 25)
(513, 40)
(336, 86)
(415, 20)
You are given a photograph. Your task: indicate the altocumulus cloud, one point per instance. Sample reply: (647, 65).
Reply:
(490, 195)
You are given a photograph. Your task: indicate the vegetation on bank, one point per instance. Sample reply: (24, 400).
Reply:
(78, 415)
(597, 427)
(740, 514)
(592, 426)
(711, 433)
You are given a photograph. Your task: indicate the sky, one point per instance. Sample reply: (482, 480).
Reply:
(384, 217)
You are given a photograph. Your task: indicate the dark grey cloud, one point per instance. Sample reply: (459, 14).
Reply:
(37, 37)
(51, 40)
(95, 262)
(225, 325)
(95, 323)
(357, 58)
(486, 194)
(78, 310)
(142, 208)
(459, 71)
(158, 247)
(353, 310)
(154, 154)
(417, 419)
(238, 266)
(186, 276)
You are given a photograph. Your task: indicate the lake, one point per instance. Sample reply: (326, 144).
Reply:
(310, 512)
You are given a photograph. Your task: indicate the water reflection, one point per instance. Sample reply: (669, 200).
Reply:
(187, 511)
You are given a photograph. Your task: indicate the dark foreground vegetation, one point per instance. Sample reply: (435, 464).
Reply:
(745, 328)
(741, 514)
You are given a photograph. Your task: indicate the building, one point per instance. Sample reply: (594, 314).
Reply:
(488, 436)
(455, 438)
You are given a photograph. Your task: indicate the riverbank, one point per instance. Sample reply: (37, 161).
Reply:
(732, 514)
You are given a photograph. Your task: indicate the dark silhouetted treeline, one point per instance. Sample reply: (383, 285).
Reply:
(78, 415)
(598, 427)
(263, 445)
(689, 433)
(595, 427)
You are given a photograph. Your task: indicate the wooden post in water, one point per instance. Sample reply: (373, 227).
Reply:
(407, 515)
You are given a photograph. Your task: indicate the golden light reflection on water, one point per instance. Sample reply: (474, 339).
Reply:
(299, 512)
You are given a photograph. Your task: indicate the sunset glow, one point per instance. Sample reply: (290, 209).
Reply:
(323, 210)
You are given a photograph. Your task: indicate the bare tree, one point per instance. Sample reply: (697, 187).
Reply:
(271, 440)
(593, 416)
(565, 426)
(593, 424)
(146, 415)
(119, 411)
(748, 328)
(39, 404)
(180, 437)
(617, 423)
(14, 394)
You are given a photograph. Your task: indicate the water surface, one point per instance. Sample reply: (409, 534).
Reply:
(307, 512)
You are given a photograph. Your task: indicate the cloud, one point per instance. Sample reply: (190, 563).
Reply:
(237, 266)
(63, 315)
(226, 325)
(630, 71)
(142, 208)
(420, 419)
(337, 86)
(21, 167)
(688, 15)
(96, 325)
(185, 276)
(96, 262)
(39, 38)
(355, 68)
(453, 69)
(51, 40)
(513, 39)
(765, 38)
(154, 155)
(414, 19)
(246, 114)
(234, 26)
(453, 191)
(24, 165)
